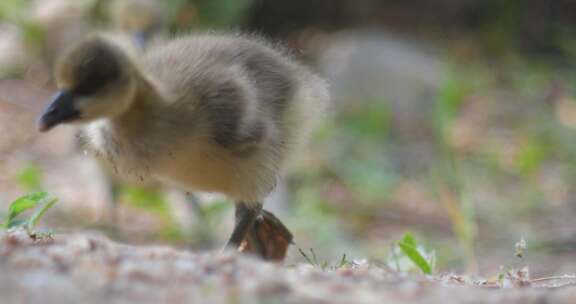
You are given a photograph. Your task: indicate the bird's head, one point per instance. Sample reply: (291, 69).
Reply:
(95, 79)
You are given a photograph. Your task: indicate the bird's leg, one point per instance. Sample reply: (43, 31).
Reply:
(201, 228)
(245, 217)
(113, 191)
(194, 202)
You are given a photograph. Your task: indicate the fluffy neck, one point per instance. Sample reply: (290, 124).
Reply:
(124, 141)
(145, 104)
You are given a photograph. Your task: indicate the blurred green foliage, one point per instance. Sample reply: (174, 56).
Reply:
(152, 200)
(12, 10)
(448, 103)
(30, 178)
(15, 12)
(205, 14)
(222, 13)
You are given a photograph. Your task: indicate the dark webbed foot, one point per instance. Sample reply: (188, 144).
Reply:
(268, 238)
(259, 232)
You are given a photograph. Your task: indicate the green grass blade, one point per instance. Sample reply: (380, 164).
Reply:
(432, 261)
(414, 255)
(306, 257)
(39, 213)
(24, 203)
(409, 240)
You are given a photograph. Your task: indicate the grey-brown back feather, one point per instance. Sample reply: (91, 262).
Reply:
(241, 85)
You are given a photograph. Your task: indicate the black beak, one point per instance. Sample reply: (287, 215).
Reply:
(60, 110)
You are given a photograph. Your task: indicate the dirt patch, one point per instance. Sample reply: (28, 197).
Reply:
(87, 268)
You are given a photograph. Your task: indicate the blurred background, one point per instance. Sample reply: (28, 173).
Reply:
(452, 119)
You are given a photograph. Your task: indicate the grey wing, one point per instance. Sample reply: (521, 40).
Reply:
(228, 108)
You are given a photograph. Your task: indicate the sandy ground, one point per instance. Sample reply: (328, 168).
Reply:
(88, 268)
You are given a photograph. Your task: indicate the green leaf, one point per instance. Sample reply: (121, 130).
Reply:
(31, 223)
(409, 248)
(24, 203)
(410, 240)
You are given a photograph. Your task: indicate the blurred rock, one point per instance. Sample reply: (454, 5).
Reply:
(13, 54)
(365, 67)
(62, 22)
(376, 66)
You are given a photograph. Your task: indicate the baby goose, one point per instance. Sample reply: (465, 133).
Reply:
(211, 113)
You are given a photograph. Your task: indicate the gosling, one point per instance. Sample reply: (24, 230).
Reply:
(206, 112)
